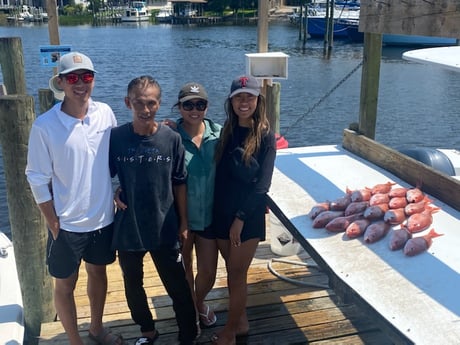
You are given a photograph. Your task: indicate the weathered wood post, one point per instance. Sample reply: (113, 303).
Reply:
(273, 106)
(372, 56)
(269, 90)
(28, 227)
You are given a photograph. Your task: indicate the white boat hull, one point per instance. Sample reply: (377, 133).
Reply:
(11, 307)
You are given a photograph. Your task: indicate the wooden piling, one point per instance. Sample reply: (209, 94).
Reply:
(12, 62)
(28, 227)
(369, 88)
(273, 106)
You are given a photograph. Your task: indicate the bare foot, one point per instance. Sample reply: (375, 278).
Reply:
(223, 339)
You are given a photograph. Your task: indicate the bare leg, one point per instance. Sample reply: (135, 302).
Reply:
(206, 257)
(65, 307)
(97, 292)
(238, 261)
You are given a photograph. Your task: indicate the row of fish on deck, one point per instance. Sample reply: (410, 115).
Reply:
(346, 25)
(373, 212)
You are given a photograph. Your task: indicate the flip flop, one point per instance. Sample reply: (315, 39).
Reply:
(106, 337)
(205, 321)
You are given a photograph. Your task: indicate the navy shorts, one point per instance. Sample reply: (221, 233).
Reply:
(64, 254)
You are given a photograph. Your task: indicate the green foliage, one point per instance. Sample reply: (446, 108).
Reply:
(235, 6)
(76, 20)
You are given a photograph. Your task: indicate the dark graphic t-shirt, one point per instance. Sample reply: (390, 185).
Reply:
(147, 168)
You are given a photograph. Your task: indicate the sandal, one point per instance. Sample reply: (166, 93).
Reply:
(205, 320)
(106, 337)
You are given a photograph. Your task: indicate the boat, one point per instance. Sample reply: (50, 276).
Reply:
(165, 14)
(11, 307)
(38, 15)
(446, 57)
(398, 40)
(415, 40)
(21, 14)
(137, 11)
(343, 11)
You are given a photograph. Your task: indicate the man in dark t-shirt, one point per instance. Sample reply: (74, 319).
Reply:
(148, 159)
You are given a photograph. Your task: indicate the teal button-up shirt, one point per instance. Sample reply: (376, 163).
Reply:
(201, 169)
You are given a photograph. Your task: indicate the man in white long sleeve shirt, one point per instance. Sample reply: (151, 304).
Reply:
(68, 172)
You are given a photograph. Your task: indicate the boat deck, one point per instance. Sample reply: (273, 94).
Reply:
(280, 312)
(404, 292)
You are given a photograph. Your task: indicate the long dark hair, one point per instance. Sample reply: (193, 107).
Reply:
(259, 126)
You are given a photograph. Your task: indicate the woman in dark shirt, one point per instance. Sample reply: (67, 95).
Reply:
(245, 159)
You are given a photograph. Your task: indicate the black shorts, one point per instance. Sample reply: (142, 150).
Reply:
(207, 233)
(64, 254)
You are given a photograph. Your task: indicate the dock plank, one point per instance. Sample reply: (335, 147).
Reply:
(279, 312)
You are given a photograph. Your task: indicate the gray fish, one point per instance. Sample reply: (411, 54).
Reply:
(398, 238)
(325, 217)
(417, 245)
(376, 231)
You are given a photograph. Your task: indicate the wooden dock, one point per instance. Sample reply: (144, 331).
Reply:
(279, 311)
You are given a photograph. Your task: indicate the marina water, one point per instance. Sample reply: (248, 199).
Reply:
(418, 104)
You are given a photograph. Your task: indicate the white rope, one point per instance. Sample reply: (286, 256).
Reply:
(294, 281)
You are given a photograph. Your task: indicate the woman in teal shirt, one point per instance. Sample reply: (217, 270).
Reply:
(200, 136)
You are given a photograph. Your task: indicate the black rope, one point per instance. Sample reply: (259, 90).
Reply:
(321, 100)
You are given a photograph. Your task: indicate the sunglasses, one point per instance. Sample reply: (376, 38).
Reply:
(72, 78)
(189, 105)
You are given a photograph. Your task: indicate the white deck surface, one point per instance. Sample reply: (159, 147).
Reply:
(11, 310)
(448, 57)
(419, 295)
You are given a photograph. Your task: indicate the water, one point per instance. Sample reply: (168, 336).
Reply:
(418, 104)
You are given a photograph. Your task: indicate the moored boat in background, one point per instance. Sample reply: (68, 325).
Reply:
(137, 11)
(415, 40)
(346, 13)
(165, 14)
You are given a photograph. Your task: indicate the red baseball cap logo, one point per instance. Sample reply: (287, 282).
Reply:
(243, 81)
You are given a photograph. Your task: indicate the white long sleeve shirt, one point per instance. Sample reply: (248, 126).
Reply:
(71, 155)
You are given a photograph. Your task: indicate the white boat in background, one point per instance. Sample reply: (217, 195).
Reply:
(21, 14)
(165, 14)
(11, 307)
(136, 12)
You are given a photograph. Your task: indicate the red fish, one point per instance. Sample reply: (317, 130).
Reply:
(414, 195)
(376, 231)
(341, 203)
(395, 216)
(417, 207)
(420, 221)
(317, 209)
(339, 224)
(375, 212)
(379, 198)
(417, 245)
(357, 228)
(397, 192)
(356, 207)
(397, 202)
(325, 217)
(382, 187)
(361, 195)
(398, 238)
